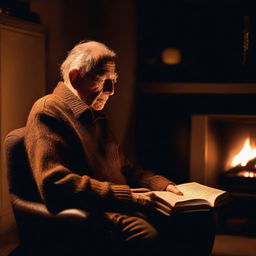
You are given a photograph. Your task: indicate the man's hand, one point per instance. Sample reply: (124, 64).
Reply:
(142, 198)
(174, 189)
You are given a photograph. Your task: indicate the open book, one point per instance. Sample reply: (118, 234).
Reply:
(196, 197)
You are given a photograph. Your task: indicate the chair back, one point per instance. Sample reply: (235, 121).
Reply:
(40, 232)
(20, 178)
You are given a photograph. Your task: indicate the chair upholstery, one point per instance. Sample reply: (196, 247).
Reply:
(40, 232)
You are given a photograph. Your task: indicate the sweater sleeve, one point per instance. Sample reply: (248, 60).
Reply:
(48, 142)
(139, 177)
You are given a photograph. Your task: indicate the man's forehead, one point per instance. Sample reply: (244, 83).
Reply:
(109, 65)
(105, 67)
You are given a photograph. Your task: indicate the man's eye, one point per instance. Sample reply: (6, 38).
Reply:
(109, 85)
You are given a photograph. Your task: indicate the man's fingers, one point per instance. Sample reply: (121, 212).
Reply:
(174, 189)
(142, 198)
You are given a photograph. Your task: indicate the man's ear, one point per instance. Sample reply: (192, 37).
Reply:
(75, 78)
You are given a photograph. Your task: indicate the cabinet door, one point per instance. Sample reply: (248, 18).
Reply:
(22, 58)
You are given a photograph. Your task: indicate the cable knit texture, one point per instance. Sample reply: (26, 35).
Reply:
(74, 157)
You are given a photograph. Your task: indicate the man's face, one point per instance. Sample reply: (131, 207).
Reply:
(95, 88)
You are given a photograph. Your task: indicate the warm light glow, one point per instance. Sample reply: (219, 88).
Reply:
(171, 56)
(246, 154)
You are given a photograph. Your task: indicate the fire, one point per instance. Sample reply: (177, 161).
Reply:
(246, 154)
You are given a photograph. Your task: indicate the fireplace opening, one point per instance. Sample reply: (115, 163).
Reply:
(223, 146)
(241, 176)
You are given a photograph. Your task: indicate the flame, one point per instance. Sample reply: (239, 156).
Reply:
(246, 154)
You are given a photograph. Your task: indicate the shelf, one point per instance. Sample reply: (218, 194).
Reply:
(198, 88)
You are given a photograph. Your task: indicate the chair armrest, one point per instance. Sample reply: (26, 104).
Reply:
(39, 210)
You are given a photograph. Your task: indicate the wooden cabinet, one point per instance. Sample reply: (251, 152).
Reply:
(22, 81)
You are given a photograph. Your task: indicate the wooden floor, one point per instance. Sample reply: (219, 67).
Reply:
(225, 245)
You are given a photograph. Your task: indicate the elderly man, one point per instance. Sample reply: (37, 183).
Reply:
(76, 161)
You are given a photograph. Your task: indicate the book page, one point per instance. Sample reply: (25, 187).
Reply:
(172, 200)
(196, 190)
(169, 198)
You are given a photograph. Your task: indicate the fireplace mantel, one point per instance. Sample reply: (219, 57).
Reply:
(198, 88)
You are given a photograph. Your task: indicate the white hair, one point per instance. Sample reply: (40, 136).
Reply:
(83, 57)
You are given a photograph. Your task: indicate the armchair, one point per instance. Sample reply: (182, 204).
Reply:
(40, 232)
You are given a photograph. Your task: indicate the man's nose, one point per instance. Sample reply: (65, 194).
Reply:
(109, 87)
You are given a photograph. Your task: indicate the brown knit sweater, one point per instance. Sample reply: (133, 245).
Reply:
(74, 157)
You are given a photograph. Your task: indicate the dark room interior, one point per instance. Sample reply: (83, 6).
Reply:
(184, 101)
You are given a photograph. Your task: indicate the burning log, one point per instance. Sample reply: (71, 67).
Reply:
(240, 178)
(248, 171)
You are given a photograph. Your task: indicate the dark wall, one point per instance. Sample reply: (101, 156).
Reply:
(217, 40)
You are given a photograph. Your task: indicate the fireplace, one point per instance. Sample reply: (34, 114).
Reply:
(184, 131)
(222, 154)
(217, 144)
